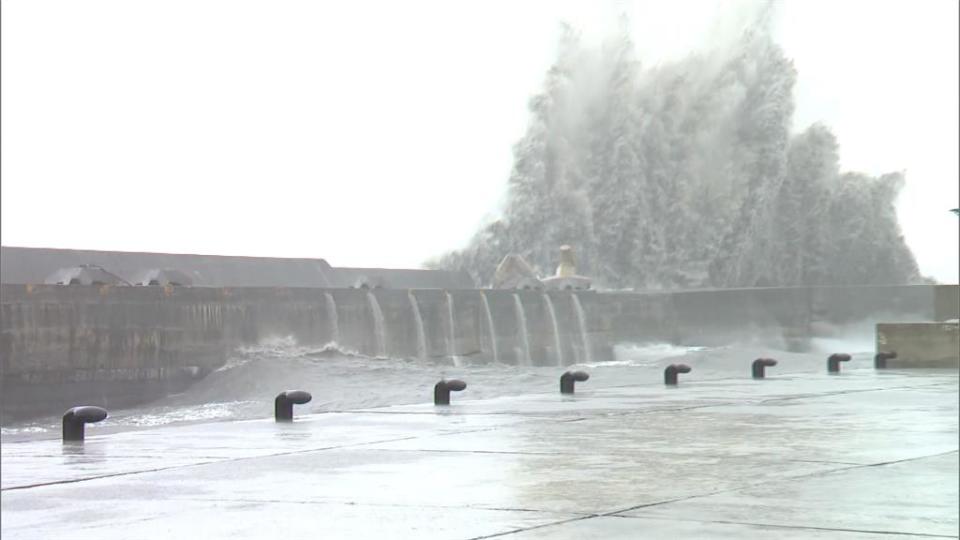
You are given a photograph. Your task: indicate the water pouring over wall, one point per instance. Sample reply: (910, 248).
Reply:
(491, 327)
(418, 320)
(557, 347)
(333, 318)
(584, 336)
(451, 331)
(379, 328)
(524, 335)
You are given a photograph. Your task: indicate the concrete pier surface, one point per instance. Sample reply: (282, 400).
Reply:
(863, 454)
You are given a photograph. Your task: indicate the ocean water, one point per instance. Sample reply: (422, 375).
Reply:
(247, 384)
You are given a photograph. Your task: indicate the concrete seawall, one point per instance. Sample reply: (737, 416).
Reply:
(720, 316)
(119, 346)
(920, 345)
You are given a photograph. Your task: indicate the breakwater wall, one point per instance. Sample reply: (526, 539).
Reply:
(119, 346)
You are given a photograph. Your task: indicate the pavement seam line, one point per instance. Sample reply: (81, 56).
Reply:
(618, 513)
(389, 505)
(779, 526)
(883, 463)
(242, 458)
(771, 481)
(200, 464)
(524, 529)
(493, 428)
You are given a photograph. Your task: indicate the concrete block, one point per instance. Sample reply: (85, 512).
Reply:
(920, 345)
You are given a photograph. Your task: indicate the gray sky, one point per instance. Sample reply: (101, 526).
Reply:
(379, 133)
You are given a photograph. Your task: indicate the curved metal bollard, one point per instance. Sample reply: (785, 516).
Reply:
(283, 405)
(833, 361)
(75, 418)
(758, 366)
(568, 379)
(880, 360)
(441, 391)
(670, 374)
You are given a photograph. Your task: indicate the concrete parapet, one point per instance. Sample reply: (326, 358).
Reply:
(920, 345)
(946, 302)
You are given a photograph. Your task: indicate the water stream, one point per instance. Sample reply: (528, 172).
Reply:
(379, 328)
(524, 337)
(334, 319)
(584, 336)
(491, 327)
(418, 319)
(556, 329)
(452, 334)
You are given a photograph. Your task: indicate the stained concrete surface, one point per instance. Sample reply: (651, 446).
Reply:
(860, 455)
(921, 345)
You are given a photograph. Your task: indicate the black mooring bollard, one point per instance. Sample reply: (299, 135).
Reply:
(880, 360)
(759, 364)
(569, 378)
(75, 418)
(283, 405)
(670, 374)
(441, 391)
(833, 362)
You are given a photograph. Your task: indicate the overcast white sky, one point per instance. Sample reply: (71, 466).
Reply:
(379, 133)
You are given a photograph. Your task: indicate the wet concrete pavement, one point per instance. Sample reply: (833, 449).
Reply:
(859, 455)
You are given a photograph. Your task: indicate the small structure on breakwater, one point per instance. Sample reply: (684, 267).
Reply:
(514, 272)
(566, 277)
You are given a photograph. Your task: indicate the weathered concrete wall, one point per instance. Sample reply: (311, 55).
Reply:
(920, 345)
(849, 304)
(946, 302)
(719, 316)
(60, 344)
(116, 346)
(120, 345)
